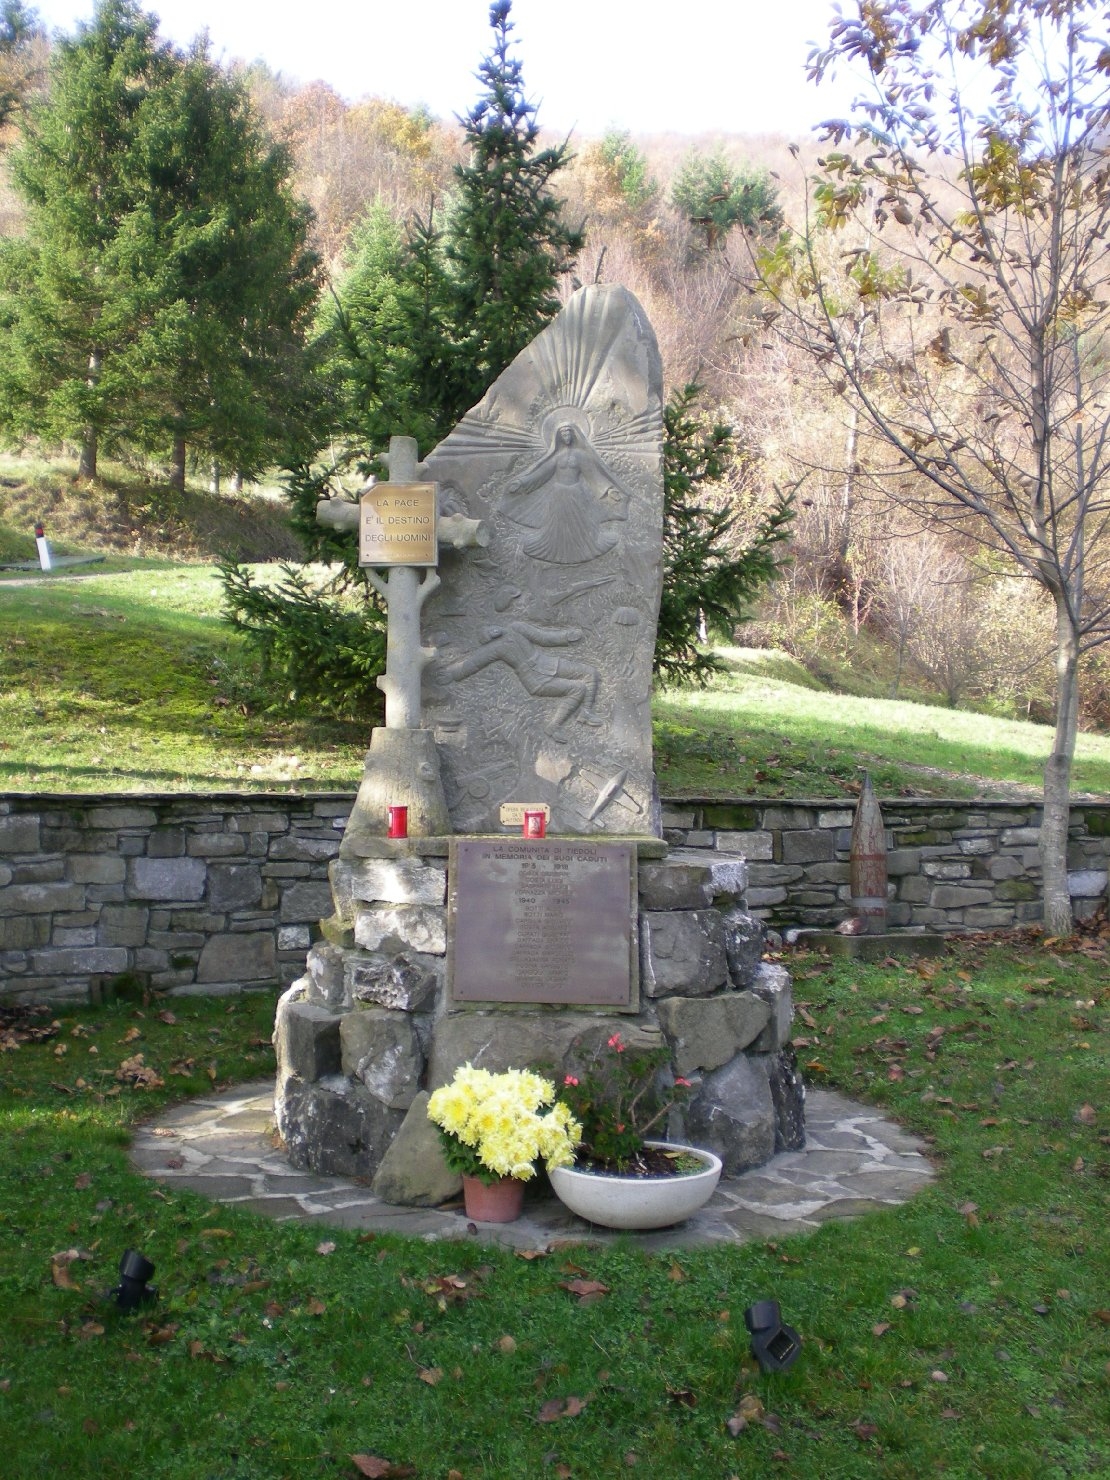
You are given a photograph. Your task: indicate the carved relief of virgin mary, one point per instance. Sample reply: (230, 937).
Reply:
(569, 500)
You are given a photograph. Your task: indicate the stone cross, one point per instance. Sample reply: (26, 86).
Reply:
(405, 590)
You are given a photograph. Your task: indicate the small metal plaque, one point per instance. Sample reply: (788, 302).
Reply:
(541, 922)
(397, 525)
(512, 813)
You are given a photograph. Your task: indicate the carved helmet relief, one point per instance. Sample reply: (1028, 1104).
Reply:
(541, 687)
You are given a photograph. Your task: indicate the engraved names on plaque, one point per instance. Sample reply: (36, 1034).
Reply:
(541, 922)
(397, 525)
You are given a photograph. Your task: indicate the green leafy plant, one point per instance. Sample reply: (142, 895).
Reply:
(494, 1125)
(716, 195)
(708, 580)
(318, 648)
(619, 1095)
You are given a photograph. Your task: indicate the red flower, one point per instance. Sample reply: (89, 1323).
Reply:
(615, 1042)
(684, 1082)
(570, 1079)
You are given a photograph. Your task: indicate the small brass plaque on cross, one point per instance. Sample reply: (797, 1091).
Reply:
(397, 525)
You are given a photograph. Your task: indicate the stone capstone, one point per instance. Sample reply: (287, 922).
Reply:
(413, 1172)
(334, 1127)
(306, 1037)
(706, 1032)
(682, 952)
(385, 880)
(418, 926)
(405, 983)
(745, 937)
(689, 880)
(381, 1050)
(733, 1114)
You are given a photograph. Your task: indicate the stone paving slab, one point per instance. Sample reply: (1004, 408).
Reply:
(225, 1147)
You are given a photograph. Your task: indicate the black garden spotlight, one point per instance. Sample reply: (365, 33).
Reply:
(775, 1347)
(133, 1290)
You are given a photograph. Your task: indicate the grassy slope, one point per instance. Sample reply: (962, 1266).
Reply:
(130, 681)
(124, 514)
(963, 1334)
(764, 725)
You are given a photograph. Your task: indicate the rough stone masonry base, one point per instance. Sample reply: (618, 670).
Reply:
(367, 1031)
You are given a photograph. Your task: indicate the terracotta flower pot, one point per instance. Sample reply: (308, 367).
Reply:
(493, 1202)
(637, 1202)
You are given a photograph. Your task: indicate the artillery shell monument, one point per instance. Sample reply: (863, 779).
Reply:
(524, 562)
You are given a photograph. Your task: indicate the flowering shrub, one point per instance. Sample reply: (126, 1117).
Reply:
(491, 1125)
(621, 1095)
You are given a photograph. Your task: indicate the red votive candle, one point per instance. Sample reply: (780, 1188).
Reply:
(398, 822)
(535, 824)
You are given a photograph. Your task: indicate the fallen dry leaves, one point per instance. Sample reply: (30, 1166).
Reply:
(556, 1408)
(588, 1291)
(60, 1266)
(379, 1468)
(135, 1072)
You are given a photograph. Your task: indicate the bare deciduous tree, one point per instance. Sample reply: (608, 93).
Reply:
(980, 157)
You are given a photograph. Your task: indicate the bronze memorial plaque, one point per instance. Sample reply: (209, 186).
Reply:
(397, 524)
(541, 922)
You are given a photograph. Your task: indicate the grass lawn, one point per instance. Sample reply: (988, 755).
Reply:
(128, 680)
(763, 721)
(966, 1333)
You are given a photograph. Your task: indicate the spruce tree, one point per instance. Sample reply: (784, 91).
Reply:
(709, 581)
(163, 290)
(66, 306)
(508, 245)
(422, 324)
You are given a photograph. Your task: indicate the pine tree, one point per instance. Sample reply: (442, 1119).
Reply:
(708, 581)
(163, 290)
(65, 305)
(507, 244)
(423, 323)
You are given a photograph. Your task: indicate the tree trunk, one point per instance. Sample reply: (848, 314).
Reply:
(1057, 778)
(177, 465)
(214, 481)
(236, 482)
(86, 463)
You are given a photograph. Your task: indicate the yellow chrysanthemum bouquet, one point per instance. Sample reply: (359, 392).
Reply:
(496, 1125)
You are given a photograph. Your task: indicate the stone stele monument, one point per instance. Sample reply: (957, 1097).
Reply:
(518, 678)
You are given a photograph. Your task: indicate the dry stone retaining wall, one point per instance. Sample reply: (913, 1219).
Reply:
(953, 866)
(204, 894)
(214, 893)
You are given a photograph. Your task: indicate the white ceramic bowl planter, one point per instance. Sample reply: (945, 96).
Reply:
(638, 1202)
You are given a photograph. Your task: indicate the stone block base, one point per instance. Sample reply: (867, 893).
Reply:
(368, 1031)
